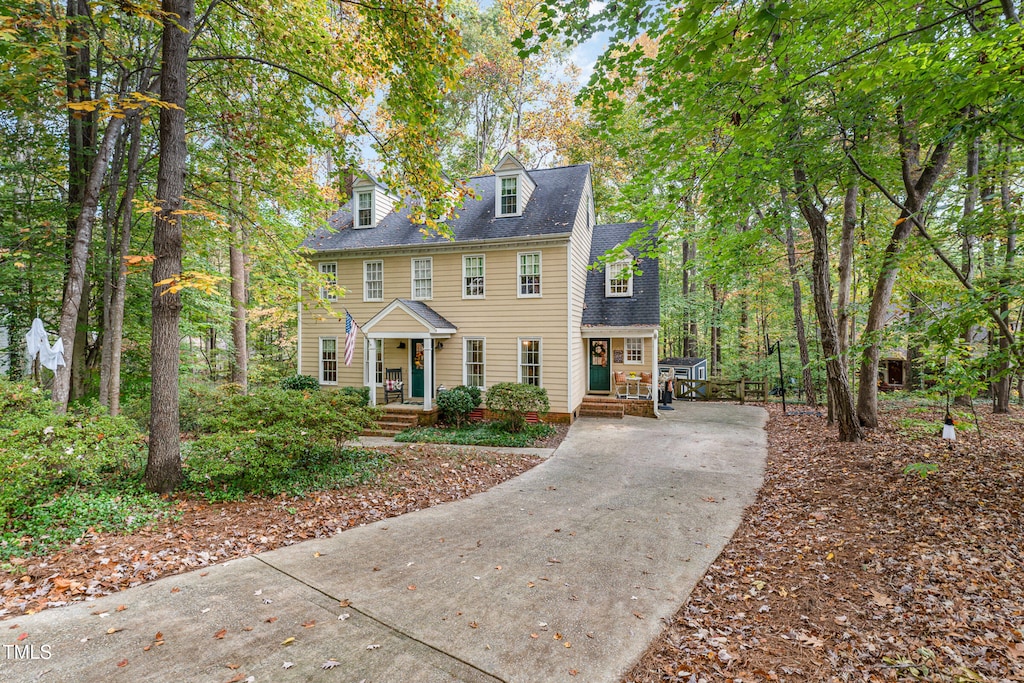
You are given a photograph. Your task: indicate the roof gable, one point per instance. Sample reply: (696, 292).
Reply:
(404, 316)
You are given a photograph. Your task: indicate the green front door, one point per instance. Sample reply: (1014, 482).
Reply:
(600, 367)
(417, 368)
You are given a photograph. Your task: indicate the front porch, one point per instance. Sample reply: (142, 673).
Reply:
(594, 405)
(622, 371)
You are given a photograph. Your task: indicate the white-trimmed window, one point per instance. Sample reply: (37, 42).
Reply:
(529, 273)
(328, 360)
(379, 374)
(373, 280)
(634, 350)
(329, 269)
(618, 280)
(529, 361)
(509, 196)
(473, 277)
(364, 213)
(473, 362)
(423, 278)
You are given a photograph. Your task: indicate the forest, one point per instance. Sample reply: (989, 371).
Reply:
(842, 177)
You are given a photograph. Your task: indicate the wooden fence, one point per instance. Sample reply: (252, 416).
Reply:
(721, 390)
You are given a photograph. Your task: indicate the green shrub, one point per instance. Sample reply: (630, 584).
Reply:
(360, 393)
(42, 453)
(251, 443)
(300, 383)
(511, 402)
(457, 403)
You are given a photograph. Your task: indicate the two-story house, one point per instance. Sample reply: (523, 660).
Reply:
(510, 299)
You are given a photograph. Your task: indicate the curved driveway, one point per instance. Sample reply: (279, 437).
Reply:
(567, 570)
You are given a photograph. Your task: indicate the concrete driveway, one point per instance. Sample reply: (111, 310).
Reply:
(564, 573)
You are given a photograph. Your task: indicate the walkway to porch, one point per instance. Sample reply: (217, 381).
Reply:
(596, 405)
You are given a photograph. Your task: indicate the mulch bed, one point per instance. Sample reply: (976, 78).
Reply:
(204, 533)
(848, 569)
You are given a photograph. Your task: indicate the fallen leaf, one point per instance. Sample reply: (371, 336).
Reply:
(811, 641)
(568, 644)
(881, 599)
(372, 647)
(175, 590)
(236, 679)
(123, 662)
(557, 636)
(23, 636)
(219, 635)
(473, 624)
(573, 672)
(232, 666)
(344, 603)
(111, 631)
(121, 608)
(287, 665)
(159, 635)
(343, 617)
(270, 620)
(534, 636)
(638, 615)
(309, 624)
(330, 664)
(412, 587)
(288, 641)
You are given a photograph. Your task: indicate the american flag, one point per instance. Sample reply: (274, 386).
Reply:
(351, 329)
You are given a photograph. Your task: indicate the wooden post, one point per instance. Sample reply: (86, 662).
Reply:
(743, 389)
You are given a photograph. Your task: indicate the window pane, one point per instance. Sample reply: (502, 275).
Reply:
(330, 270)
(422, 284)
(634, 349)
(473, 267)
(509, 187)
(529, 361)
(475, 362)
(365, 208)
(328, 360)
(373, 281)
(618, 279)
(529, 273)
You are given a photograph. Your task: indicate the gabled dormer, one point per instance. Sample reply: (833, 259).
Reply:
(512, 187)
(371, 201)
(618, 276)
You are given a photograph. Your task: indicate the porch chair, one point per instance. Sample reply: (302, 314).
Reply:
(646, 386)
(393, 385)
(620, 384)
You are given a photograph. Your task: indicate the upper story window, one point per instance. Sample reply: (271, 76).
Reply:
(618, 279)
(329, 269)
(509, 196)
(373, 280)
(473, 277)
(422, 278)
(529, 274)
(364, 214)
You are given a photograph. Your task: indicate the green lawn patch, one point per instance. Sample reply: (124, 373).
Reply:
(479, 434)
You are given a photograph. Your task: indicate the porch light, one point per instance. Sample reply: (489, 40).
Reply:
(440, 345)
(401, 344)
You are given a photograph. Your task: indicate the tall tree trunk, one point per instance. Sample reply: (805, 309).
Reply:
(798, 309)
(968, 241)
(716, 333)
(846, 243)
(115, 331)
(239, 369)
(75, 285)
(918, 183)
(110, 215)
(687, 310)
(1002, 385)
(835, 365)
(163, 467)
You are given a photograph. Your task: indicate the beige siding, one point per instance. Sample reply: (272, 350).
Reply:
(398, 321)
(618, 349)
(501, 317)
(581, 238)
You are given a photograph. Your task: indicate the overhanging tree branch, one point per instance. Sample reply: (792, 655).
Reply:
(993, 313)
(298, 74)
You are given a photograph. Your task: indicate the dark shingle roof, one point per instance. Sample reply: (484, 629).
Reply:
(429, 314)
(550, 211)
(643, 308)
(688, 361)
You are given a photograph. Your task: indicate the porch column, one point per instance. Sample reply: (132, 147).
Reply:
(371, 372)
(428, 373)
(655, 385)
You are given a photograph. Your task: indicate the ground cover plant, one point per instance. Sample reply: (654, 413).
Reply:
(480, 434)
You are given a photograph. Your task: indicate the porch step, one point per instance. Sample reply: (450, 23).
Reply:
(392, 422)
(602, 406)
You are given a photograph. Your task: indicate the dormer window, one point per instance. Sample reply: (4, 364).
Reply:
(509, 196)
(618, 279)
(364, 214)
(513, 187)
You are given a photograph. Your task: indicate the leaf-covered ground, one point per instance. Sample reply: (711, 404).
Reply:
(848, 569)
(203, 533)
